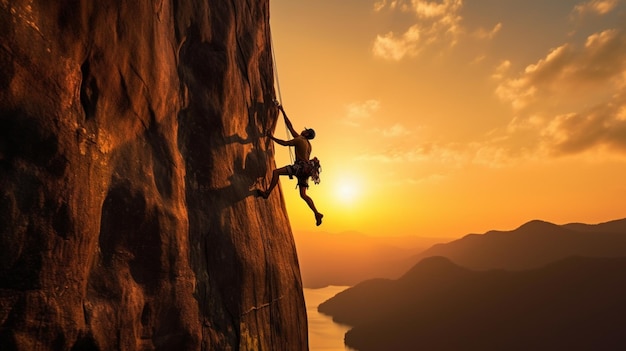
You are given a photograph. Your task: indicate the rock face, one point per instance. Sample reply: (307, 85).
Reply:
(131, 136)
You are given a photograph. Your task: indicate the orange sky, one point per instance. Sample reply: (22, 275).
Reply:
(441, 118)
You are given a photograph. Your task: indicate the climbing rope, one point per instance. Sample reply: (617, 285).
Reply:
(274, 66)
(279, 100)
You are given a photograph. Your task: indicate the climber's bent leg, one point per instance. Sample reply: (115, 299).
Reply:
(275, 175)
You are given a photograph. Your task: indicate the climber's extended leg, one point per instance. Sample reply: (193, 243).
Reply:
(309, 201)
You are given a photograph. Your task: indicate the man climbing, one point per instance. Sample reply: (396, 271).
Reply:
(302, 169)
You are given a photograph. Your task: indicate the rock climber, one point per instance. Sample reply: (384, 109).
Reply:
(303, 167)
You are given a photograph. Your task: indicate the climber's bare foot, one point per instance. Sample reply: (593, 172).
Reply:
(263, 194)
(318, 218)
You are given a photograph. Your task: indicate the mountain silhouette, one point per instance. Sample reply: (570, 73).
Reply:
(533, 245)
(574, 304)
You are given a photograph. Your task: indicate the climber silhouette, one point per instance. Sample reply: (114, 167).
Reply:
(302, 169)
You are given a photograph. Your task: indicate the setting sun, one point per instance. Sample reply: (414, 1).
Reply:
(346, 191)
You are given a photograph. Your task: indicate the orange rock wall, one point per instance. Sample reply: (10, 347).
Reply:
(131, 136)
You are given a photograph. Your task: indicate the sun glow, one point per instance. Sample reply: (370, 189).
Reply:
(346, 191)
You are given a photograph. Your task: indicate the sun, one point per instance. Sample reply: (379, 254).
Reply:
(346, 192)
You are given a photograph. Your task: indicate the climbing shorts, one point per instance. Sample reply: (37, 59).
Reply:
(297, 170)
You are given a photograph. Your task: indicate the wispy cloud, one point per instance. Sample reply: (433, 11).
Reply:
(357, 112)
(482, 33)
(501, 70)
(361, 114)
(392, 47)
(396, 130)
(598, 62)
(600, 127)
(435, 22)
(595, 71)
(426, 152)
(380, 5)
(594, 7)
(449, 156)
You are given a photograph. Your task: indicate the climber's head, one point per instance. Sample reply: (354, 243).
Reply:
(308, 133)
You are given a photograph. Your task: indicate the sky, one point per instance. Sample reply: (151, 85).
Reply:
(448, 117)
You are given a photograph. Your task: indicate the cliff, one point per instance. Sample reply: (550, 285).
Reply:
(131, 136)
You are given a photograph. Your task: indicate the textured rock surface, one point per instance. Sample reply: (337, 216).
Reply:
(130, 138)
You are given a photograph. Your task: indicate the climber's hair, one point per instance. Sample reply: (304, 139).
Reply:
(310, 133)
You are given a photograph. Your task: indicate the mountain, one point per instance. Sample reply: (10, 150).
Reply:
(350, 257)
(533, 244)
(132, 134)
(615, 226)
(573, 304)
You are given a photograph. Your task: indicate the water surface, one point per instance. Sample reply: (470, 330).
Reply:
(324, 334)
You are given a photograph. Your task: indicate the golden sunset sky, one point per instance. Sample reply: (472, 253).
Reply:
(442, 118)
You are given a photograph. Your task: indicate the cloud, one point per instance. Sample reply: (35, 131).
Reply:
(391, 47)
(478, 59)
(574, 98)
(436, 21)
(482, 33)
(434, 9)
(501, 70)
(601, 60)
(357, 112)
(600, 127)
(425, 152)
(594, 7)
(380, 5)
(396, 130)
(446, 155)
(572, 101)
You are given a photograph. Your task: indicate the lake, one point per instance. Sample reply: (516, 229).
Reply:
(324, 334)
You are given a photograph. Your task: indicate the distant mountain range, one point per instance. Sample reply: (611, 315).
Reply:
(541, 286)
(532, 245)
(350, 257)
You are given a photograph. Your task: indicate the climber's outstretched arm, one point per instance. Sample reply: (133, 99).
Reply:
(280, 141)
(288, 122)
